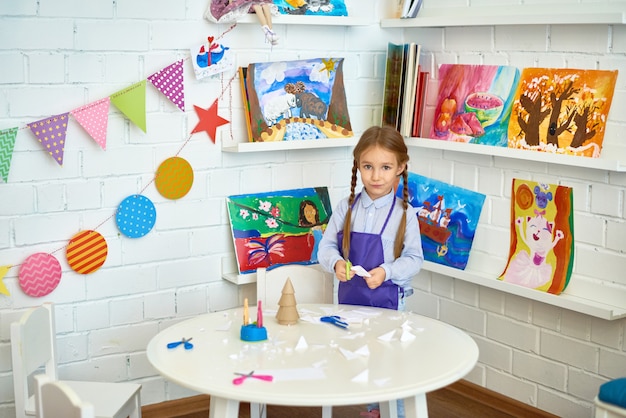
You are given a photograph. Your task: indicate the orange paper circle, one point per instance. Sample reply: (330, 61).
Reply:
(174, 178)
(86, 252)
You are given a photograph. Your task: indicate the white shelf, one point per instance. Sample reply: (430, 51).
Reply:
(570, 299)
(290, 145)
(544, 14)
(601, 163)
(310, 20)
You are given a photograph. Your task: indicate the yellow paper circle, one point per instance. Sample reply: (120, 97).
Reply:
(174, 178)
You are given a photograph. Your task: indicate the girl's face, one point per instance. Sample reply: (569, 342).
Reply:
(309, 214)
(379, 170)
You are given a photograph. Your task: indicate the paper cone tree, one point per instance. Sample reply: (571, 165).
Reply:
(287, 312)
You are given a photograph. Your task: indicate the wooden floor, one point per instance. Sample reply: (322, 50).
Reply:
(459, 400)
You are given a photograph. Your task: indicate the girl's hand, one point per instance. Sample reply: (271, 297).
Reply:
(378, 277)
(340, 271)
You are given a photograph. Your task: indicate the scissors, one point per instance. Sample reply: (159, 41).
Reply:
(335, 320)
(243, 376)
(185, 342)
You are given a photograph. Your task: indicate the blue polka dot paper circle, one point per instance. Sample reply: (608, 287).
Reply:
(135, 216)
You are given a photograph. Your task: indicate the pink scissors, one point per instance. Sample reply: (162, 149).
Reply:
(243, 376)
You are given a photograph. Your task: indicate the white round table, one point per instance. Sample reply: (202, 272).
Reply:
(384, 355)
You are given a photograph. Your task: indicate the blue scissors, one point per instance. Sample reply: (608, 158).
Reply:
(185, 342)
(335, 320)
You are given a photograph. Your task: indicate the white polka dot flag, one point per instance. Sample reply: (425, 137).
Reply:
(94, 118)
(51, 133)
(7, 142)
(169, 81)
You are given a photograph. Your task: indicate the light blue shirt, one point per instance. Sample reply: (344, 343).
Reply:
(369, 216)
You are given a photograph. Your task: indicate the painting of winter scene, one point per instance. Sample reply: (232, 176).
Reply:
(312, 7)
(561, 110)
(474, 103)
(276, 228)
(297, 100)
(447, 215)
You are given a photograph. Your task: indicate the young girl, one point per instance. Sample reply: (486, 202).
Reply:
(374, 229)
(231, 10)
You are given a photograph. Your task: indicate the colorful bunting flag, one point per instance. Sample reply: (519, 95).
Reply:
(7, 142)
(169, 81)
(209, 120)
(51, 134)
(132, 102)
(94, 118)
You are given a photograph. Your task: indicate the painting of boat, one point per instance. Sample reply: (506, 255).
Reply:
(448, 216)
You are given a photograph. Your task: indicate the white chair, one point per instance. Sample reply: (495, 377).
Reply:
(311, 285)
(33, 350)
(607, 410)
(54, 399)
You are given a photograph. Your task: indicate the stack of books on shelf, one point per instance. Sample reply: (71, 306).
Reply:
(410, 8)
(404, 93)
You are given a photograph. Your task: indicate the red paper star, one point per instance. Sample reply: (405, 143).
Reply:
(209, 120)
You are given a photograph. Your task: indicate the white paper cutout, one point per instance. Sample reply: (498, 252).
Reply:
(302, 344)
(362, 377)
(406, 336)
(363, 351)
(360, 271)
(388, 336)
(349, 355)
(382, 382)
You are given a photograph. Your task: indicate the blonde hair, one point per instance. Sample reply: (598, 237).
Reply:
(388, 138)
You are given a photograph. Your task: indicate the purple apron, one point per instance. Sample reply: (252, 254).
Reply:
(367, 250)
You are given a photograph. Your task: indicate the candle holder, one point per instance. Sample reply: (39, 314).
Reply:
(252, 332)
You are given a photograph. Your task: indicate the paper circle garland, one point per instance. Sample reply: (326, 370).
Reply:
(39, 274)
(135, 216)
(86, 252)
(174, 178)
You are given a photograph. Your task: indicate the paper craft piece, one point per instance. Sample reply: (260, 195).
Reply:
(362, 377)
(349, 355)
(39, 274)
(388, 336)
(314, 8)
(211, 58)
(562, 110)
(363, 351)
(382, 382)
(406, 336)
(448, 217)
(276, 228)
(174, 178)
(359, 270)
(542, 236)
(297, 100)
(302, 344)
(51, 133)
(135, 216)
(3, 272)
(474, 103)
(7, 143)
(86, 252)
(132, 102)
(208, 120)
(169, 81)
(94, 118)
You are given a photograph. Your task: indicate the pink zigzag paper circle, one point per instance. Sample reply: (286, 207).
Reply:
(40, 274)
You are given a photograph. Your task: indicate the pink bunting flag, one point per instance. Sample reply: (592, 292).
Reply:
(51, 134)
(7, 142)
(94, 118)
(169, 81)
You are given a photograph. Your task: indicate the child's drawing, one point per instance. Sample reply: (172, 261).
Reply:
(211, 58)
(474, 103)
(312, 7)
(561, 110)
(276, 228)
(541, 237)
(447, 215)
(296, 100)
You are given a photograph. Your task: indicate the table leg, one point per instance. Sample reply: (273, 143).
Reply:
(223, 408)
(389, 409)
(327, 412)
(416, 406)
(258, 410)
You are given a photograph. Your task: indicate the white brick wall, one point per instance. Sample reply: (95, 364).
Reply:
(549, 357)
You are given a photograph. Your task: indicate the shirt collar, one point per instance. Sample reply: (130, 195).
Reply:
(366, 200)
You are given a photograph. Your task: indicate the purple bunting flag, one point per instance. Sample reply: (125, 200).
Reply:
(169, 81)
(51, 134)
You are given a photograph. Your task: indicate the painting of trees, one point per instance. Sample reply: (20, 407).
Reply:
(561, 110)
